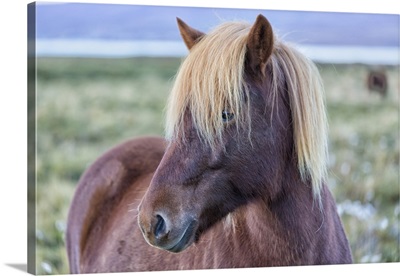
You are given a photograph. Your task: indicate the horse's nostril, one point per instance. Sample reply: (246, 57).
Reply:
(160, 227)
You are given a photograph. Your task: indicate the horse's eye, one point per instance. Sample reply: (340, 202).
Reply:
(226, 116)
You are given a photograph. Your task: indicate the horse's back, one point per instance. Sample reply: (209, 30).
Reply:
(125, 169)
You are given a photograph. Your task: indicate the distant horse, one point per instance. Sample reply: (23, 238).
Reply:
(377, 81)
(239, 181)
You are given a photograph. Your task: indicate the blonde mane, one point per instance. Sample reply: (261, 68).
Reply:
(307, 104)
(211, 80)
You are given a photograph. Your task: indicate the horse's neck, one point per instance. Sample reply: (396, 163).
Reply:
(269, 231)
(249, 236)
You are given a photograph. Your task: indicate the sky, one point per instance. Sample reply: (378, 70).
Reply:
(139, 22)
(119, 30)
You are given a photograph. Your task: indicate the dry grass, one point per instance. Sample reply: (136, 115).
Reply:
(364, 160)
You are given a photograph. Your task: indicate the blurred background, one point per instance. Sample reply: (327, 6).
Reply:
(104, 73)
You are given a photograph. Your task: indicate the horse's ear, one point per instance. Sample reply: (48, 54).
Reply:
(260, 44)
(190, 36)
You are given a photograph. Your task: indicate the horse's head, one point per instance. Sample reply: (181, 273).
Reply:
(230, 131)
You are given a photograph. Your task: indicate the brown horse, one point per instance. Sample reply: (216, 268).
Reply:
(239, 180)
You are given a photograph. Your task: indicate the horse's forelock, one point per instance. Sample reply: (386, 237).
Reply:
(210, 81)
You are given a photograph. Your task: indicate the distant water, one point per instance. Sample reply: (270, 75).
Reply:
(164, 48)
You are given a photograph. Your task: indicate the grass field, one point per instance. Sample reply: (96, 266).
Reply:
(85, 106)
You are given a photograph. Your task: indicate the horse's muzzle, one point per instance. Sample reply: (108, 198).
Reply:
(162, 233)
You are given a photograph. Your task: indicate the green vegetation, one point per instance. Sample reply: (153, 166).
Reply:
(85, 106)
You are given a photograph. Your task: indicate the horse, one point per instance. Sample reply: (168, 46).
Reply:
(377, 82)
(238, 180)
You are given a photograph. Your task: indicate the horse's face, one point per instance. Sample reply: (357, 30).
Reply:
(195, 186)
